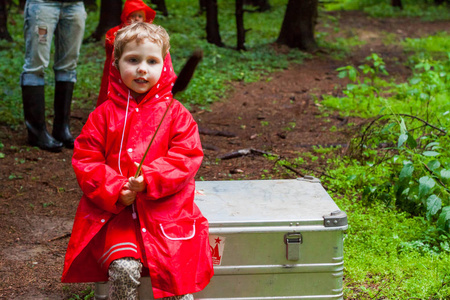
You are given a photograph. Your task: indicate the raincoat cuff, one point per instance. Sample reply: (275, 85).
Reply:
(119, 207)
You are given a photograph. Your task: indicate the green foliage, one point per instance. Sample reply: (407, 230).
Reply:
(84, 295)
(389, 254)
(2, 155)
(425, 9)
(394, 182)
(427, 91)
(363, 94)
(415, 172)
(10, 69)
(387, 257)
(433, 46)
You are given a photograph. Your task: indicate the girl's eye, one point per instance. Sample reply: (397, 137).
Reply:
(152, 61)
(132, 60)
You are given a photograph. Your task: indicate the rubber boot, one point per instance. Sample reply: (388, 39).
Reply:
(33, 98)
(62, 104)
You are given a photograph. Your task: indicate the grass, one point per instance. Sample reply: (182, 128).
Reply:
(386, 253)
(391, 253)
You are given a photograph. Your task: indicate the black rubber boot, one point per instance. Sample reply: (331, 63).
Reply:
(33, 98)
(62, 104)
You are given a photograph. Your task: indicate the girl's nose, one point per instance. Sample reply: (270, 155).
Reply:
(141, 69)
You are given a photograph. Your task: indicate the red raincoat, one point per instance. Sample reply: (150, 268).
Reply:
(174, 232)
(129, 7)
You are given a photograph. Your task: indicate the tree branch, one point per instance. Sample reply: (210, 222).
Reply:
(425, 122)
(438, 179)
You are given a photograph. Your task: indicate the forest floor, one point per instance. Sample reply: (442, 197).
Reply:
(39, 193)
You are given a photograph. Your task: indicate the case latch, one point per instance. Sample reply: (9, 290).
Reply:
(293, 241)
(336, 218)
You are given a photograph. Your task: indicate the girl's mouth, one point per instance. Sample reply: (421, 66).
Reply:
(140, 80)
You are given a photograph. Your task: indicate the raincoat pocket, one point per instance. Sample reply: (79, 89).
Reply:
(178, 231)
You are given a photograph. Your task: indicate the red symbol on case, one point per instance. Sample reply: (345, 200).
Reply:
(216, 250)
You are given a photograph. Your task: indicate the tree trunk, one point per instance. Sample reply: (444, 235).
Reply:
(263, 5)
(91, 5)
(110, 11)
(4, 33)
(212, 24)
(202, 5)
(397, 3)
(240, 25)
(161, 6)
(299, 21)
(22, 4)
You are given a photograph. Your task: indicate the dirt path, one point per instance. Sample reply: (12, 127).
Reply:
(39, 192)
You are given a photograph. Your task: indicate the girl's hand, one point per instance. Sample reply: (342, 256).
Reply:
(127, 196)
(137, 184)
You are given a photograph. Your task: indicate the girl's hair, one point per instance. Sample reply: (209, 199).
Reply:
(139, 32)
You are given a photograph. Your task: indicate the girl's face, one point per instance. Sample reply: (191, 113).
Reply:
(136, 16)
(140, 66)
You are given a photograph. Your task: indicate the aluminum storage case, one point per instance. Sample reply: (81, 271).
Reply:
(270, 239)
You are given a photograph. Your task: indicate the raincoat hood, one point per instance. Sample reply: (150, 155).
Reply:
(135, 5)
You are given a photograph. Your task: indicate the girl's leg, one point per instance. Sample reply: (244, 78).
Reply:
(183, 297)
(124, 275)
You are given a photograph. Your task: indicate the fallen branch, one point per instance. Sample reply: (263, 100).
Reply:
(320, 172)
(331, 145)
(294, 170)
(210, 147)
(244, 152)
(60, 237)
(215, 132)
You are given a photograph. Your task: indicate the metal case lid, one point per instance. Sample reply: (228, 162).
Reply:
(291, 202)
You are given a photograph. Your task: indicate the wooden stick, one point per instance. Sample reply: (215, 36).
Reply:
(60, 237)
(180, 84)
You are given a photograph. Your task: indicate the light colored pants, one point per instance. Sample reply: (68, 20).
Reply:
(124, 275)
(44, 19)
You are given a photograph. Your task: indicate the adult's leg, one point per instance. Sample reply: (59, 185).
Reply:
(34, 111)
(62, 104)
(68, 39)
(124, 275)
(39, 25)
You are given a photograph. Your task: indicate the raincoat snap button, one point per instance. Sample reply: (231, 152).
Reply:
(144, 230)
(137, 109)
(102, 220)
(130, 150)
